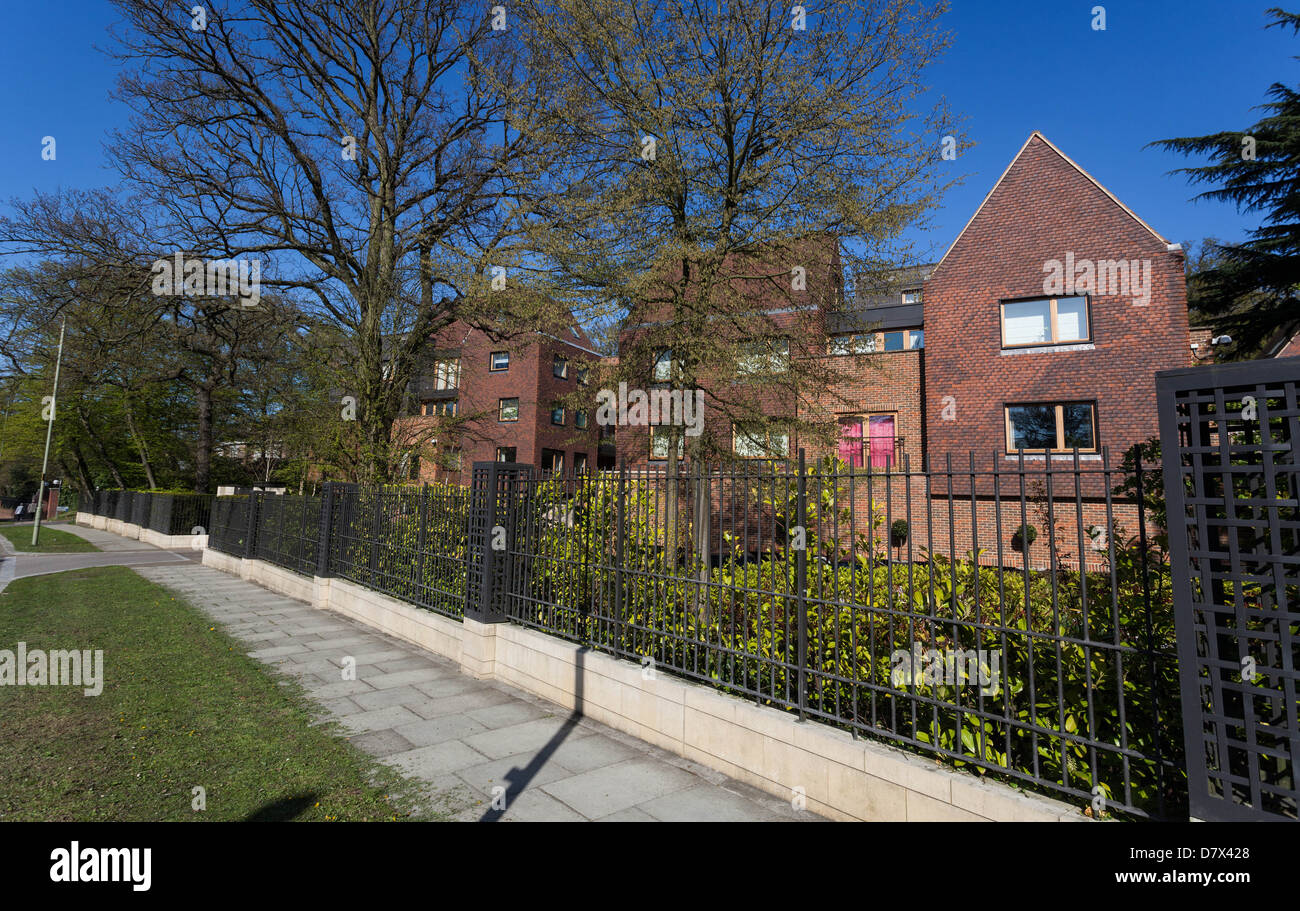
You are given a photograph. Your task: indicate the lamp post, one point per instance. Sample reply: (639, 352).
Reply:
(49, 430)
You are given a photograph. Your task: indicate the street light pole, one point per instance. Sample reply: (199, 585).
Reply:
(49, 429)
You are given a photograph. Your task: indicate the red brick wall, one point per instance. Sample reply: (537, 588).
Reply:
(529, 379)
(1043, 209)
(889, 381)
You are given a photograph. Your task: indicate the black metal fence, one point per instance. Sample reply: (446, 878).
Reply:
(1232, 477)
(1014, 617)
(165, 513)
(286, 530)
(795, 588)
(406, 542)
(229, 532)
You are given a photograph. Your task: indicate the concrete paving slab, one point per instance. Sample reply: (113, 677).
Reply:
(457, 736)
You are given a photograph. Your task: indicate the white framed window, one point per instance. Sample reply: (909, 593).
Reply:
(764, 357)
(663, 368)
(446, 373)
(760, 443)
(1045, 321)
(660, 440)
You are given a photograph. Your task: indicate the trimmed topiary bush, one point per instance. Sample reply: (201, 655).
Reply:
(1023, 537)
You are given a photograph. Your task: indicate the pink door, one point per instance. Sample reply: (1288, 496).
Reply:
(851, 441)
(881, 437)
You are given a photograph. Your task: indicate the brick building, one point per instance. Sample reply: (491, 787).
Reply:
(1044, 372)
(482, 397)
(1034, 341)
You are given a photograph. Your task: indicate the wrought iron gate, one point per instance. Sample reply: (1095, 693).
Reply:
(1230, 436)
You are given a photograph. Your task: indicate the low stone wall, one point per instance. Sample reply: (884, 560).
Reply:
(836, 774)
(173, 542)
(147, 535)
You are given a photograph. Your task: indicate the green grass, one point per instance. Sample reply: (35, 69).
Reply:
(52, 541)
(182, 706)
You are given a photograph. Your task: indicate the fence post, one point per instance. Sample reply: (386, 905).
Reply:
(378, 493)
(421, 536)
(251, 531)
(323, 536)
(619, 532)
(801, 583)
(487, 565)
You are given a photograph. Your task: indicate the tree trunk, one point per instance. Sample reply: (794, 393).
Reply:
(203, 449)
(140, 447)
(83, 470)
(100, 449)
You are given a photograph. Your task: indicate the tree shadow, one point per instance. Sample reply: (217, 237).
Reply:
(284, 810)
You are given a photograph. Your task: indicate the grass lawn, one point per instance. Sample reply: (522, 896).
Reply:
(182, 706)
(53, 541)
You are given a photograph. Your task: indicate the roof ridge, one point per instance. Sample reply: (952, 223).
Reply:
(1068, 160)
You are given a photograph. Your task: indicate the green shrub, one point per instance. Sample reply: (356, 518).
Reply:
(1022, 537)
(898, 532)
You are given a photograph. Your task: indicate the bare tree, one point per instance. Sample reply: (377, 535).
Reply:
(362, 144)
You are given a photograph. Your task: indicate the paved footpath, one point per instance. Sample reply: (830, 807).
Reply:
(462, 737)
(115, 551)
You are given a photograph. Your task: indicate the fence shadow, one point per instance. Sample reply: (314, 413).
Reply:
(518, 779)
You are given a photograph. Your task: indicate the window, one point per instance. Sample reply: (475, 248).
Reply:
(584, 376)
(659, 442)
(508, 410)
(579, 461)
(446, 373)
(876, 447)
(1045, 321)
(857, 343)
(912, 297)
(1056, 427)
(413, 468)
(500, 361)
(867, 342)
(760, 444)
(560, 367)
(442, 408)
(764, 357)
(557, 416)
(505, 453)
(553, 460)
(580, 420)
(663, 369)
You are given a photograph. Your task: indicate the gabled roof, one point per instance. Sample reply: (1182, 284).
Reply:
(1072, 163)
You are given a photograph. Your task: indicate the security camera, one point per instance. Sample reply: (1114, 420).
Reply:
(1221, 340)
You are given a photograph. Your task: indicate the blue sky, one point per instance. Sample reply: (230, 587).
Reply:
(1161, 68)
